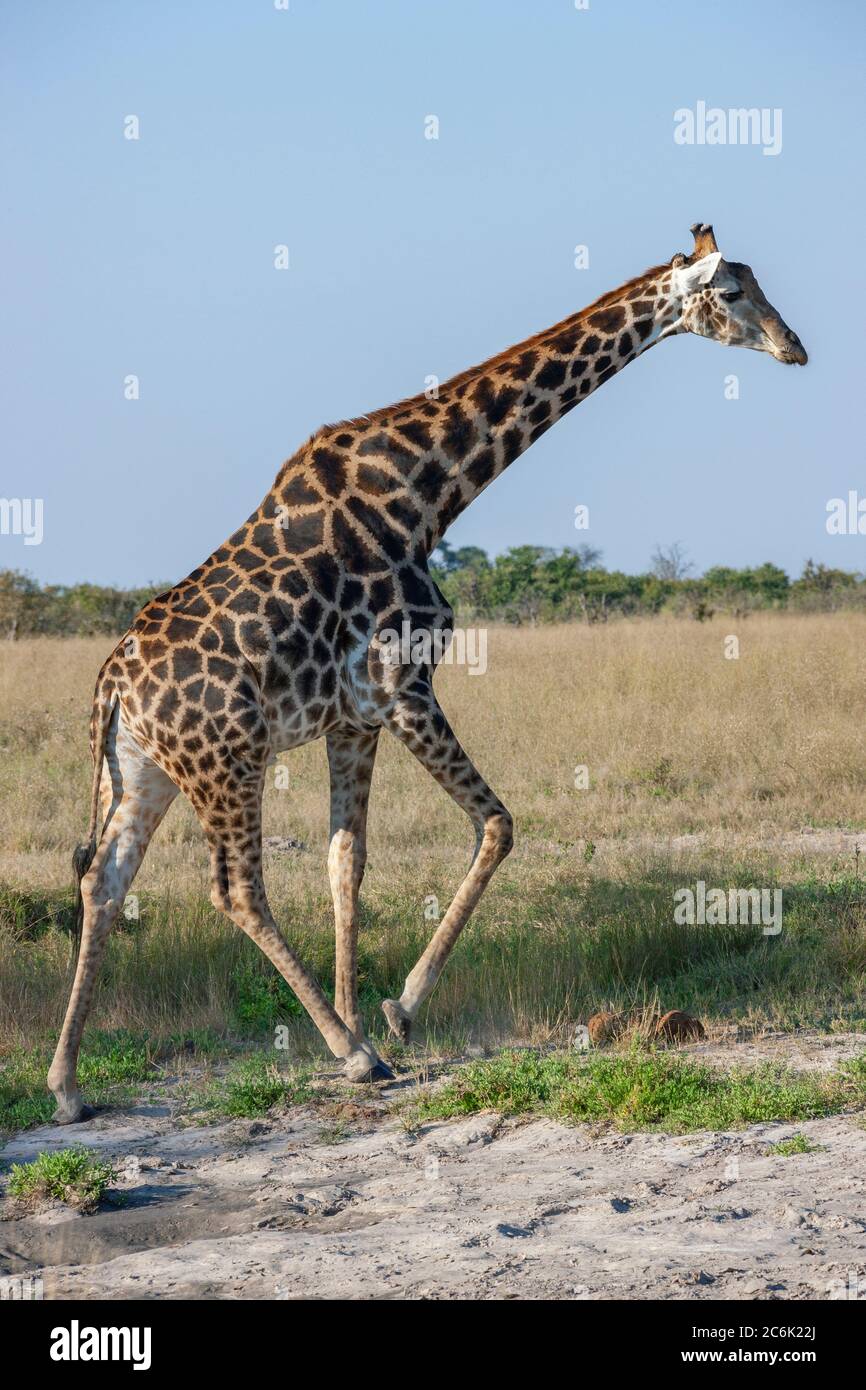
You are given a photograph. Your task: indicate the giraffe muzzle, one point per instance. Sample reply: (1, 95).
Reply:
(786, 347)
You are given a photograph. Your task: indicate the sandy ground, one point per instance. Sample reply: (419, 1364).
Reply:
(479, 1208)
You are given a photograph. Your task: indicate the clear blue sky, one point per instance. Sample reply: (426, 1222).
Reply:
(411, 256)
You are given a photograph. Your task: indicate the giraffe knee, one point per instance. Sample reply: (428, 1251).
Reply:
(99, 910)
(243, 909)
(95, 894)
(220, 898)
(340, 847)
(219, 887)
(219, 879)
(500, 828)
(347, 855)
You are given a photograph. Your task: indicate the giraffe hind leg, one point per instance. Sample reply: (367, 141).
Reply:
(350, 757)
(136, 795)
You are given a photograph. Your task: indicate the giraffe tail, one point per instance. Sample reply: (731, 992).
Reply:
(82, 856)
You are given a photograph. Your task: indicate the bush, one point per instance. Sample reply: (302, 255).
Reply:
(76, 1176)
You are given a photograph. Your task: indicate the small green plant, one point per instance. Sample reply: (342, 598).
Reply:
(797, 1144)
(333, 1133)
(76, 1176)
(253, 1087)
(659, 779)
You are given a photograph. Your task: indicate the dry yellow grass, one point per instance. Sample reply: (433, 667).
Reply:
(678, 740)
(699, 767)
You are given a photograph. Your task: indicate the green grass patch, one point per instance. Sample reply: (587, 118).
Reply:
(111, 1066)
(641, 1090)
(26, 915)
(76, 1176)
(261, 998)
(252, 1087)
(797, 1144)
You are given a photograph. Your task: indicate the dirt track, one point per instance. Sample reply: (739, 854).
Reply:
(469, 1209)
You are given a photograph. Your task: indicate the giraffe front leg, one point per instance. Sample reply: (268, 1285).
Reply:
(420, 724)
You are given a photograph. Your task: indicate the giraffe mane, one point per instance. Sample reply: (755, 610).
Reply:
(491, 364)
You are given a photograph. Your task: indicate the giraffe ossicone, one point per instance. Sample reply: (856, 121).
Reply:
(276, 640)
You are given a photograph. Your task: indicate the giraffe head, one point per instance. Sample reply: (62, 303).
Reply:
(722, 300)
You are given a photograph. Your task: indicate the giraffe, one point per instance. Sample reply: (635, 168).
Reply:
(276, 639)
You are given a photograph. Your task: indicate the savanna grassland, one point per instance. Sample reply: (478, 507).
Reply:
(741, 772)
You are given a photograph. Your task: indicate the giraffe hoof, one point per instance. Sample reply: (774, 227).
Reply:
(72, 1113)
(364, 1066)
(381, 1072)
(398, 1020)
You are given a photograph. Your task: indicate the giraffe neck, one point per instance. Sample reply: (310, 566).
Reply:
(484, 419)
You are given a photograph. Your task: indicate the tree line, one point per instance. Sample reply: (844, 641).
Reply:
(533, 583)
(525, 584)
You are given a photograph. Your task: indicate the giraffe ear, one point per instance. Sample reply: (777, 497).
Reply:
(688, 278)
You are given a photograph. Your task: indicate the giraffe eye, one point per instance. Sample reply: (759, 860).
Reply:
(730, 295)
